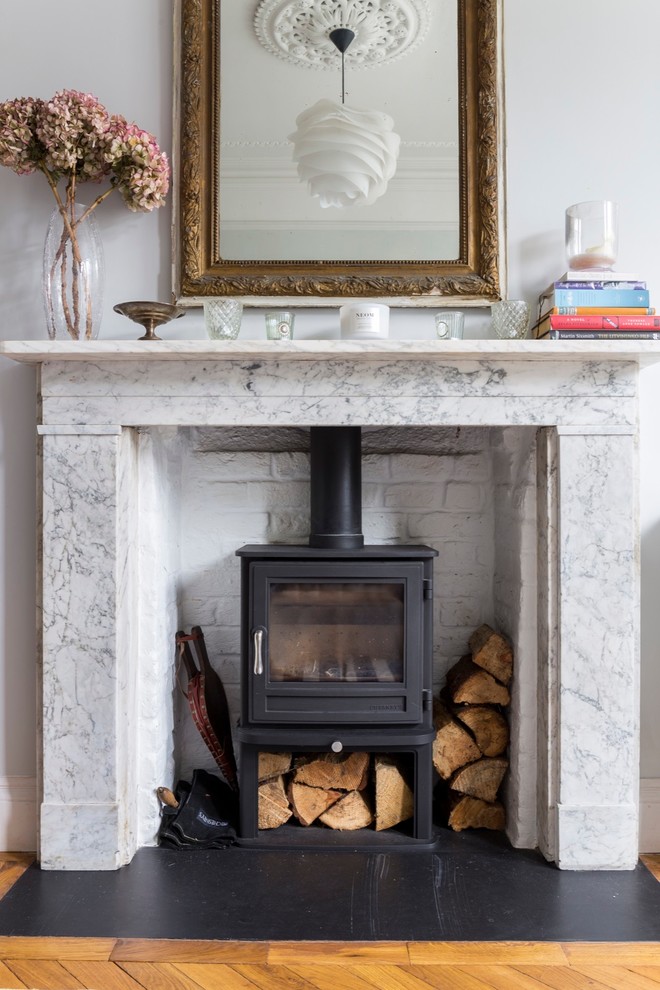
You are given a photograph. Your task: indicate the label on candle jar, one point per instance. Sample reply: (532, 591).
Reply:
(363, 321)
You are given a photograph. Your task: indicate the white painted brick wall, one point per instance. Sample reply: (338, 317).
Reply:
(228, 499)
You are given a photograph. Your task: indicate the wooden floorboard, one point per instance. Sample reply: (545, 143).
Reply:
(164, 964)
(652, 863)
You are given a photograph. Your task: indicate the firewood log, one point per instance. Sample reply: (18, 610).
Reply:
(273, 765)
(310, 802)
(488, 726)
(453, 745)
(471, 812)
(335, 771)
(351, 812)
(493, 652)
(394, 798)
(469, 683)
(273, 806)
(481, 779)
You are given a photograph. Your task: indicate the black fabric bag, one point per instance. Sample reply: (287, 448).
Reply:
(206, 815)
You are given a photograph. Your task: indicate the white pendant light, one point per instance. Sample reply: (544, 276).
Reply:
(346, 156)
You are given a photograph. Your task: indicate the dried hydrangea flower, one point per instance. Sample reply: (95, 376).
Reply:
(72, 136)
(140, 170)
(19, 147)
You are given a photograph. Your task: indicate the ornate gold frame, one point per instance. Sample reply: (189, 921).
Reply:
(199, 271)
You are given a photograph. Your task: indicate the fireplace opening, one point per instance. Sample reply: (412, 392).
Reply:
(466, 493)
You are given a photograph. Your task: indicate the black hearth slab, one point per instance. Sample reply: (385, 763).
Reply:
(474, 888)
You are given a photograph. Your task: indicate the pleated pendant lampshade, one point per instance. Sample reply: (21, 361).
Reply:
(346, 156)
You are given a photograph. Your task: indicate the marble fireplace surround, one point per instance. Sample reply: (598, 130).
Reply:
(105, 588)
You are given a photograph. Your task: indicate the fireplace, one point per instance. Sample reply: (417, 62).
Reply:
(563, 558)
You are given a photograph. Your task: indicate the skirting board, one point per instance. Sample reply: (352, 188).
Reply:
(18, 814)
(649, 815)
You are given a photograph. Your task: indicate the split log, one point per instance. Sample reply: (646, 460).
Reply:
(493, 652)
(471, 812)
(481, 779)
(488, 726)
(468, 683)
(394, 798)
(273, 765)
(453, 745)
(334, 771)
(273, 805)
(351, 812)
(310, 802)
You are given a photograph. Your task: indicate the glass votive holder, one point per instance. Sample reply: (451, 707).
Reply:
(222, 318)
(449, 325)
(279, 325)
(510, 318)
(592, 235)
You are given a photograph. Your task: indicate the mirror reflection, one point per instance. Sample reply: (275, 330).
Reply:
(401, 64)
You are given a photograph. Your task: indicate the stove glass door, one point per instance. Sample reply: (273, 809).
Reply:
(350, 632)
(335, 641)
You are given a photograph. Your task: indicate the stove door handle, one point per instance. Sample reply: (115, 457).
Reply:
(258, 639)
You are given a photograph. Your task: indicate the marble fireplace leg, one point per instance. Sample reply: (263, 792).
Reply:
(89, 698)
(589, 648)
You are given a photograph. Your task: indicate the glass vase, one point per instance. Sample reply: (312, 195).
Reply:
(73, 274)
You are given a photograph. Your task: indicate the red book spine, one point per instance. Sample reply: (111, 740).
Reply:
(612, 322)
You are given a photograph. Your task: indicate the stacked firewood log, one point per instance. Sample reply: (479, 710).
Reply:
(472, 732)
(339, 791)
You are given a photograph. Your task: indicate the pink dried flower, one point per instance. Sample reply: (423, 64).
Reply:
(141, 171)
(72, 126)
(19, 146)
(72, 136)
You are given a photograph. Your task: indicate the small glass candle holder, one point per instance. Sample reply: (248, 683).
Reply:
(449, 325)
(510, 318)
(279, 325)
(222, 318)
(592, 235)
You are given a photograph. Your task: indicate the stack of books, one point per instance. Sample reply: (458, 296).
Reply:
(596, 305)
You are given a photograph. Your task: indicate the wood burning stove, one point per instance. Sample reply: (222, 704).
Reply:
(337, 638)
(336, 642)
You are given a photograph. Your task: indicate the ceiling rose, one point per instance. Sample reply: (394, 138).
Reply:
(298, 30)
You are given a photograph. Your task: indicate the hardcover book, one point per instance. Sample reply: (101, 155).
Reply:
(620, 284)
(602, 310)
(611, 322)
(600, 335)
(599, 297)
(598, 275)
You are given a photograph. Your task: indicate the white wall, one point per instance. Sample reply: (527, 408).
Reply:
(582, 107)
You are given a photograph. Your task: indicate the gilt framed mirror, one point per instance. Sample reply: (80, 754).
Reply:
(390, 192)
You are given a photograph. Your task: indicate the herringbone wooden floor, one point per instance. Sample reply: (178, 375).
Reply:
(138, 964)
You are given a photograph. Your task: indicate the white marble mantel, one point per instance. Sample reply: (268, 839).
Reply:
(100, 503)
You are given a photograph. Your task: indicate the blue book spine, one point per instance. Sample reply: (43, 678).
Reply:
(600, 297)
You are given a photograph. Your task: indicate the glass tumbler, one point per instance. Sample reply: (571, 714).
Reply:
(279, 325)
(222, 318)
(449, 325)
(510, 318)
(592, 235)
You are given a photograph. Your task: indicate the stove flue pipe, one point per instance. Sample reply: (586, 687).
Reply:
(336, 487)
